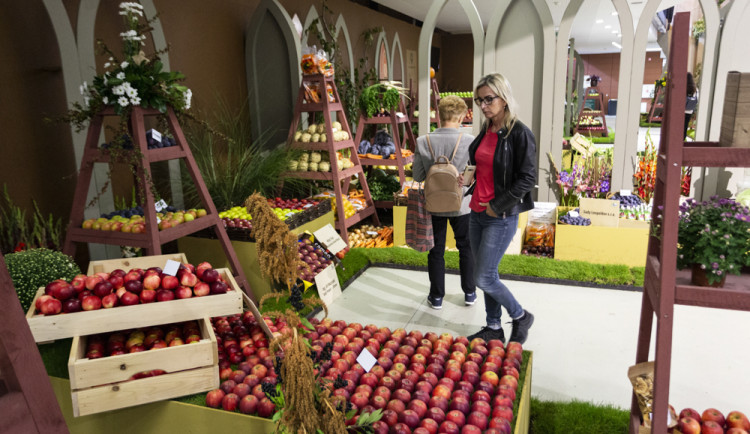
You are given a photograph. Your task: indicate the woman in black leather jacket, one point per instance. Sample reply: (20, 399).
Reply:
(505, 157)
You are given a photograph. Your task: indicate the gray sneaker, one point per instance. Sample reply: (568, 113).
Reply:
(521, 327)
(469, 299)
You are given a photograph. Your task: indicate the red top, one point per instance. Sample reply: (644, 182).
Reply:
(484, 190)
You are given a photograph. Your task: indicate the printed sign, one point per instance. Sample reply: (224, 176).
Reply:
(171, 267)
(328, 284)
(602, 212)
(160, 205)
(154, 134)
(328, 236)
(366, 359)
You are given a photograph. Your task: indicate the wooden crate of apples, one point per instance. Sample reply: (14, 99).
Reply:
(133, 367)
(712, 421)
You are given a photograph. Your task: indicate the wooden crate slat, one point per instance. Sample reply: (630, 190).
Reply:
(143, 262)
(144, 390)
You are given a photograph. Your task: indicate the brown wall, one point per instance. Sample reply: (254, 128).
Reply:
(456, 63)
(207, 44)
(607, 66)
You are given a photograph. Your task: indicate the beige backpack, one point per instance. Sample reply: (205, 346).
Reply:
(441, 189)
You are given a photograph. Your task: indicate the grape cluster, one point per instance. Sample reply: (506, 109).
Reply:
(295, 298)
(125, 142)
(165, 142)
(576, 221)
(339, 383)
(269, 389)
(325, 354)
(344, 409)
(277, 369)
(630, 200)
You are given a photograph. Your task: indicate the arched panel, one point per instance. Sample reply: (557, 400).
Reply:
(312, 15)
(521, 39)
(383, 57)
(425, 42)
(396, 59)
(342, 30)
(272, 53)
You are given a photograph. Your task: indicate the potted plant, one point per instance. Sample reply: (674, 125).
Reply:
(713, 239)
(381, 97)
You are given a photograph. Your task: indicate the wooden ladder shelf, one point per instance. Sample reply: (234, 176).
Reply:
(152, 239)
(664, 285)
(341, 178)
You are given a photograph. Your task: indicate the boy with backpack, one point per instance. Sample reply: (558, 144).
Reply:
(439, 159)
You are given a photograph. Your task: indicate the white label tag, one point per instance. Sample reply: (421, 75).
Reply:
(328, 236)
(371, 233)
(289, 214)
(400, 115)
(155, 135)
(160, 205)
(573, 213)
(308, 205)
(328, 285)
(158, 220)
(624, 192)
(366, 360)
(171, 267)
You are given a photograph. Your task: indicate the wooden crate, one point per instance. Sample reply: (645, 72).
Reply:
(99, 385)
(143, 262)
(735, 120)
(68, 325)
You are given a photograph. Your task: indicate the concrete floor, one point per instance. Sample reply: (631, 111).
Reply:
(583, 339)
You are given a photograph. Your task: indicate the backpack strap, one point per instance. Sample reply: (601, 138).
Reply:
(429, 145)
(455, 148)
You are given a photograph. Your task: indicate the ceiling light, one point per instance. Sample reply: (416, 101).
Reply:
(607, 26)
(599, 21)
(617, 45)
(615, 31)
(619, 35)
(614, 13)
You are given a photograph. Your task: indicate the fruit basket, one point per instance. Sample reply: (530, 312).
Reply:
(47, 328)
(119, 381)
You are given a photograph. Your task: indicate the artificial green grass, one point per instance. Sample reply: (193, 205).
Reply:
(519, 265)
(577, 417)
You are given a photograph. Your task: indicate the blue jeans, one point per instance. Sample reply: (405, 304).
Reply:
(490, 237)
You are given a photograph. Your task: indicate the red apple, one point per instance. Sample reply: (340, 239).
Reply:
(248, 404)
(214, 398)
(164, 295)
(736, 430)
(688, 425)
(148, 295)
(51, 306)
(502, 411)
(502, 401)
(737, 419)
(501, 424)
(456, 416)
(91, 302)
(201, 289)
(449, 427)
(91, 281)
(418, 406)
(490, 377)
(396, 405)
(152, 282)
(183, 292)
(71, 305)
(378, 401)
(103, 288)
(110, 301)
(510, 381)
(129, 299)
(410, 418)
(711, 427)
(478, 419)
(714, 415)
(60, 289)
(431, 426)
(390, 417)
(210, 275)
(461, 404)
(266, 408)
(218, 287)
(188, 279)
(169, 282)
(359, 399)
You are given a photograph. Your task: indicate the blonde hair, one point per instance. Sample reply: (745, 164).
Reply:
(501, 87)
(451, 108)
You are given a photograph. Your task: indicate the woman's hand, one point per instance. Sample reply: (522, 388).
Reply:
(490, 212)
(460, 179)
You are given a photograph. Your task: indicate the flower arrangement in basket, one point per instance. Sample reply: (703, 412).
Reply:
(135, 80)
(714, 236)
(645, 172)
(588, 176)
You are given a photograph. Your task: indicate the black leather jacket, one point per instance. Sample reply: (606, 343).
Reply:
(514, 169)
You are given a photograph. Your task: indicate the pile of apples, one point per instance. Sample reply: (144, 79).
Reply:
(712, 421)
(424, 383)
(136, 341)
(137, 223)
(315, 259)
(137, 286)
(245, 363)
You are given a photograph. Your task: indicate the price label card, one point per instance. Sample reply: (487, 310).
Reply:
(171, 267)
(328, 236)
(371, 233)
(573, 213)
(155, 134)
(602, 212)
(160, 205)
(366, 359)
(328, 284)
(400, 115)
(624, 192)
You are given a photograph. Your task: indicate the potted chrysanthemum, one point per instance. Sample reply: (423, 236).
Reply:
(713, 239)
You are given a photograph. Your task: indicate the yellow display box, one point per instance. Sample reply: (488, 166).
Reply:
(158, 417)
(205, 249)
(602, 245)
(399, 231)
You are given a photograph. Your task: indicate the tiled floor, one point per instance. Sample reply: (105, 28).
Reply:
(583, 338)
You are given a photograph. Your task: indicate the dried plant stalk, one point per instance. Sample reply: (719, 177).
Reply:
(277, 246)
